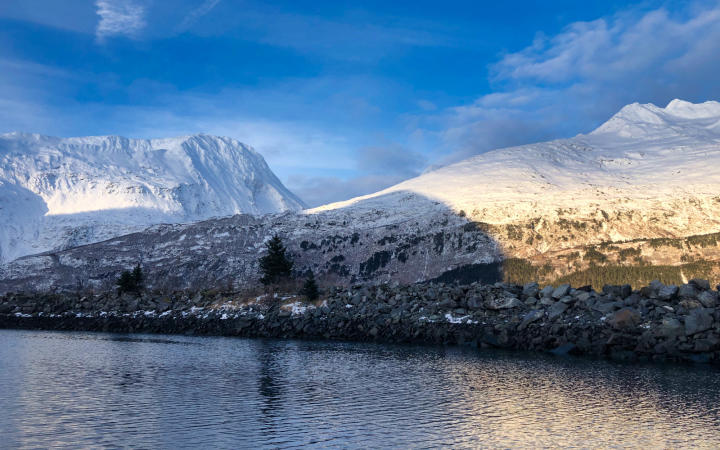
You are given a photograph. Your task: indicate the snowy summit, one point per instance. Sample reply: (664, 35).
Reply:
(61, 192)
(643, 154)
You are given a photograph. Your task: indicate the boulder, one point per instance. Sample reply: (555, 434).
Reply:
(531, 290)
(687, 291)
(583, 296)
(667, 292)
(617, 291)
(632, 300)
(530, 317)
(690, 303)
(556, 310)
(605, 307)
(475, 302)
(651, 290)
(708, 298)
(697, 321)
(547, 291)
(670, 328)
(503, 303)
(560, 291)
(625, 319)
(700, 284)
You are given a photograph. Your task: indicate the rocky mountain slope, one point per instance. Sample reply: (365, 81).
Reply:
(58, 193)
(636, 199)
(630, 192)
(347, 246)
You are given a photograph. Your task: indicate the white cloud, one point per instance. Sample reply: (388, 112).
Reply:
(610, 49)
(570, 83)
(119, 18)
(197, 13)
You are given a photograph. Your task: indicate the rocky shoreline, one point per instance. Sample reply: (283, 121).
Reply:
(657, 322)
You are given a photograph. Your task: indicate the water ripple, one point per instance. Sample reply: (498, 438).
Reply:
(69, 390)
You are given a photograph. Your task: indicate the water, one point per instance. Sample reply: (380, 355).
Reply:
(103, 390)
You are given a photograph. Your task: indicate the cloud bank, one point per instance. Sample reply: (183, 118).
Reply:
(570, 83)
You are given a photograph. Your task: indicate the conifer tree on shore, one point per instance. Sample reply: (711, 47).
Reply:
(275, 265)
(131, 281)
(310, 288)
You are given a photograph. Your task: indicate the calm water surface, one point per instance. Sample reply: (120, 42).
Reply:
(107, 390)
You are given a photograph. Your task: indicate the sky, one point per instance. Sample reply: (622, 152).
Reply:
(347, 98)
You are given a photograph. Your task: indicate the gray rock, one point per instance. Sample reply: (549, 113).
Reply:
(475, 302)
(698, 320)
(561, 291)
(530, 317)
(568, 299)
(547, 301)
(617, 291)
(547, 291)
(556, 310)
(687, 291)
(708, 298)
(624, 319)
(703, 285)
(651, 290)
(667, 292)
(531, 290)
(632, 300)
(605, 307)
(503, 303)
(670, 327)
(583, 296)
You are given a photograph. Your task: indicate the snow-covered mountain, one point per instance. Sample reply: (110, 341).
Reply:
(642, 190)
(659, 164)
(63, 192)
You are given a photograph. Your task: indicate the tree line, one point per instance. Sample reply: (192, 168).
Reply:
(275, 268)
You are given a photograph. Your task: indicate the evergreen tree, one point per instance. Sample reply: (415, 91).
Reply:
(275, 265)
(131, 281)
(310, 288)
(138, 277)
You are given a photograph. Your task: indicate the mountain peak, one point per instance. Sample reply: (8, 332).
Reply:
(105, 185)
(679, 116)
(687, 110)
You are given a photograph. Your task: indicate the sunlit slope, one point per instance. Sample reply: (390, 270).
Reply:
(647, 172)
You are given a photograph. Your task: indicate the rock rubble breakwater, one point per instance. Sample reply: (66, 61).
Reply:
(657, 322)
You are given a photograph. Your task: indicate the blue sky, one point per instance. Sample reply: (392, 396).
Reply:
(345, 98)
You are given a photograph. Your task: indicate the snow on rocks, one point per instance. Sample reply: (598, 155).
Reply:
(596, 323)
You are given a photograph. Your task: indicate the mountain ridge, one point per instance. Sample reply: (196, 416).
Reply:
(542, 212)
(128, 184)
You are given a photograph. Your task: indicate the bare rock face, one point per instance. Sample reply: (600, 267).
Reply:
(341, 247)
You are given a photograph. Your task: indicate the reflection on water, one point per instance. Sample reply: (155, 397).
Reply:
(95, 390)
